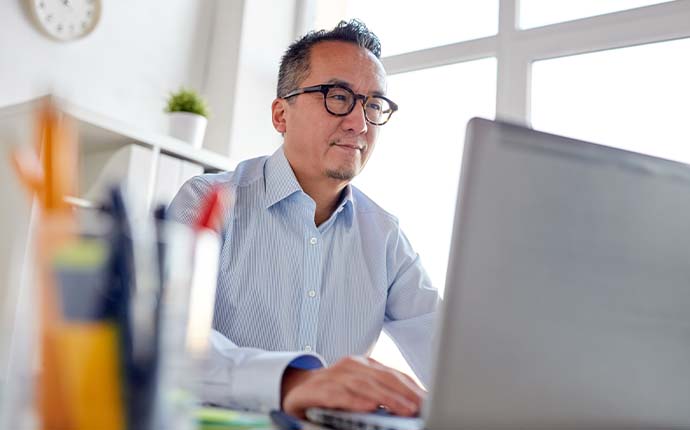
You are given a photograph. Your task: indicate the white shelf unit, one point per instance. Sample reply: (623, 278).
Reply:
(152, 167)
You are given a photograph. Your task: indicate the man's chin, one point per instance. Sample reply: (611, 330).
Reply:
(341, 174)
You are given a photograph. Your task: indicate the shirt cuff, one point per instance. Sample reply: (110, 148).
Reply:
(260, 380)
(255, 384)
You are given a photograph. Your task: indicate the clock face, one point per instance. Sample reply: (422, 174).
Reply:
(66, 19)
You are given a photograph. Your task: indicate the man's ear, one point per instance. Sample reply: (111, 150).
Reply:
(278, 114)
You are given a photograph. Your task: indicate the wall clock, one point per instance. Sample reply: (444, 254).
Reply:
(65, 20)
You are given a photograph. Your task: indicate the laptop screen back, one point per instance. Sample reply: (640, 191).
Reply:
(568, 289)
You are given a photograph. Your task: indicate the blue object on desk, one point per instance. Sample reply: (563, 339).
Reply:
(284, 421)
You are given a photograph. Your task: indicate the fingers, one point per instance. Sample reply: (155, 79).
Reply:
(399, 393)
(326, 393)
(379, 394)
(404, 375)
(395, 381)
(412, 383)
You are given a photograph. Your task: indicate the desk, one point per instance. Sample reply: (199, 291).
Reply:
(227, 419)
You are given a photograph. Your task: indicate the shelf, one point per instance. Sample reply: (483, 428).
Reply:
(98, 131)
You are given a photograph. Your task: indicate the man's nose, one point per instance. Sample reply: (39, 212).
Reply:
(356, 121)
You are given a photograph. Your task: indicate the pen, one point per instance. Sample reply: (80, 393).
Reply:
(284, 421)
(202, 294)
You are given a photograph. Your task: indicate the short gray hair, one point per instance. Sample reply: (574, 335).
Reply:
(294, 66)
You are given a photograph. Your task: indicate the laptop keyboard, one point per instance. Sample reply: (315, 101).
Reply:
(379, 420)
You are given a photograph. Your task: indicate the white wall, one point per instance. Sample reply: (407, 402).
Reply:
(221, 77)
(268, 28)
(227, 49)
(139, 52)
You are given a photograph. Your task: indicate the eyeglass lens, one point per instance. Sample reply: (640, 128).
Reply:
(340, 101)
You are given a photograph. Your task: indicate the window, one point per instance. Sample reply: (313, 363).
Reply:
(536, 13)
(410, 26)
(634, 98)
(414, 170)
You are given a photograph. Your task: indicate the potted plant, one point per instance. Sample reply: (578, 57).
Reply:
(188, 116)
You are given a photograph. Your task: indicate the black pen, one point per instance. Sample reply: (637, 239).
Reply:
(284, 421)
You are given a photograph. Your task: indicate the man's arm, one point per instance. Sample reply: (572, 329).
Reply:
(249, 378)
(411, 308)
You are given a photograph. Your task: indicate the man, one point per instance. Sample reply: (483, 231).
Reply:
(308, 262)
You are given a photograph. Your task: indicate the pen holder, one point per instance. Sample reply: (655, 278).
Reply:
(190, 273)
(112, 325)
(63, 364)
(176, 401)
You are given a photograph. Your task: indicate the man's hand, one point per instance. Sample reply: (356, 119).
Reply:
(355, 384)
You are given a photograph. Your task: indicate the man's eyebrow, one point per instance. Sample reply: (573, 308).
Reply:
(337, 81)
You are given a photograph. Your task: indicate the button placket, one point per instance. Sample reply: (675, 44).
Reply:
(309, 313)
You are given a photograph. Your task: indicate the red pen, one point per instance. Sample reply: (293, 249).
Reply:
(204, 277)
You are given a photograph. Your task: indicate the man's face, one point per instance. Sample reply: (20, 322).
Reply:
(321, 146)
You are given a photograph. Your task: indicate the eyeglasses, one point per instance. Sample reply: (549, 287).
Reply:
(340, 100)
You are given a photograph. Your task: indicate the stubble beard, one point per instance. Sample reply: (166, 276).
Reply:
(341, 175)
(344, 173)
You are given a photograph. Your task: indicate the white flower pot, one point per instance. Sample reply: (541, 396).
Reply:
(189, 127)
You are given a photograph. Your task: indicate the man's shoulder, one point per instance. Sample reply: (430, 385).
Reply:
(364, 205)
(246, 172)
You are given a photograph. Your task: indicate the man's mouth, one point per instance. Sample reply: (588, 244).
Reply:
(353, 146)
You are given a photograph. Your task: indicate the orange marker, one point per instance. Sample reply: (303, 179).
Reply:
(50, 180)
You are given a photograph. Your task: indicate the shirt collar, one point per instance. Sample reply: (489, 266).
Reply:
(281, 182)
(279, 178)
(347, 198)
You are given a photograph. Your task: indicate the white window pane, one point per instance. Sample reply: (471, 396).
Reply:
(405, 26)
(414, 170)
(634, 98)
(536, 13)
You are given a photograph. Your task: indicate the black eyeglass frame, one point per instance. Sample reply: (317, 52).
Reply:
(324, 88)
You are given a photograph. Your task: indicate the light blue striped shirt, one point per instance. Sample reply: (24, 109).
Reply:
(293, 293)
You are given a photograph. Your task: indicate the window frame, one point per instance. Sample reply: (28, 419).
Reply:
(515, 49)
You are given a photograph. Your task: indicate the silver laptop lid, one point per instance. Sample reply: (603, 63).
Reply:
(568, 288)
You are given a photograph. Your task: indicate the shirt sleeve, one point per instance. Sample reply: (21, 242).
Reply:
(411, 307)
(237, 377)
(185, 205)
(248, 378)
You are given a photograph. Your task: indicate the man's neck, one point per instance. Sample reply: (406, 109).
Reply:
(326, 194)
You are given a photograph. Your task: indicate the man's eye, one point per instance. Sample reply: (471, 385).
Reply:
(374, 106)
(338, 97)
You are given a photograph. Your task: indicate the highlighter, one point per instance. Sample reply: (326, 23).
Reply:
(89, 357)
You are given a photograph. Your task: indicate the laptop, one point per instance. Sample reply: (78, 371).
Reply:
(567, 301)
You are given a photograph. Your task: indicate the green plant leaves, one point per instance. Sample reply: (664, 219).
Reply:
(187, 100)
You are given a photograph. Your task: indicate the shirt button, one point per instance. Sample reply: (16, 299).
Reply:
(312, 293)
(307, 348)
(313, 240)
